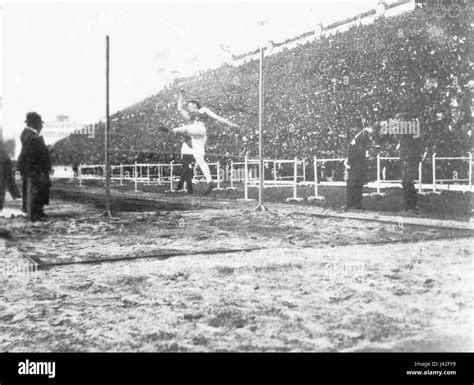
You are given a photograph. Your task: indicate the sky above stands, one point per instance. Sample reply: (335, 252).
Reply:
(53, 54)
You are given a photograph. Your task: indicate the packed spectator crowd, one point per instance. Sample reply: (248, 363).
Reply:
(315, 96)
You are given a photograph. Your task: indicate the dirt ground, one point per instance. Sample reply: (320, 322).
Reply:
(455, 205)
(192, 275)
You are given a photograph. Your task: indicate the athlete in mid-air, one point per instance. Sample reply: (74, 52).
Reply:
(197, 118)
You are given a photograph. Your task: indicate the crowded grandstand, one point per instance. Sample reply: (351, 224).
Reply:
(314, 94)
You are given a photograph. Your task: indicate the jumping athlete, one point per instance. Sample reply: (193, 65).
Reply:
(197, 117)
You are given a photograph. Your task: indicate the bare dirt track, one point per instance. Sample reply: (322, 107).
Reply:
(305, 283)
(448, 205)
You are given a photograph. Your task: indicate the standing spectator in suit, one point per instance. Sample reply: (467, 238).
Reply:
(35, 165)
(7, 180)
(24, 182)
(410, 156)
(187, 168)
(356, 164)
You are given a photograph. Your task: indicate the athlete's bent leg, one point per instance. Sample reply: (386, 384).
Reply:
(193, 129)
(203, 166)
(183, 129)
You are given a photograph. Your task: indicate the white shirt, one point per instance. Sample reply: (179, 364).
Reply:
(186, 150)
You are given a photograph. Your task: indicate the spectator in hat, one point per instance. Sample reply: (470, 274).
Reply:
(356, 164)
(410, 156)
(35, 166)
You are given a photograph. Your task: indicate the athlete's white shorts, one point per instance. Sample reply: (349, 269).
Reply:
(197, 132)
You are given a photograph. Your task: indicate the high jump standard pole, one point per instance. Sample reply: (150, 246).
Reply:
(107, 123)
(261, 206)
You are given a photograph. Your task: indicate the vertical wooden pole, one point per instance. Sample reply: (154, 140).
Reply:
(107, 122)
(378, 173)
(315, 177)
(171, 177)
(420, 177)
(260, 206)
(135, 174)
(470, 172)
(246, 181)
(275, 172)
(295, 178)
(304, 170)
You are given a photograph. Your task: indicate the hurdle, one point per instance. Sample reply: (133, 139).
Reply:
(140, 173)
(399, 181)
(455, 180)
(135, 172)
(160, 173)
(292, 180)
(172, 178)
(154, 173)
(470, 172)
(84, 176)
(126, 175)
(276, 181)
(304, 171)
(121, 175)
(218, 188)
(246, 181)
(295, 197)
(232, 187)
(159, 178)
(378, 193)
(316, 196)
(436, 182)
(199, 177)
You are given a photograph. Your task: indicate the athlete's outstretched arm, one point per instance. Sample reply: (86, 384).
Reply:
(217, 117)
(181, 108)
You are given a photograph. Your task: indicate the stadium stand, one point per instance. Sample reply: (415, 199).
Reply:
(314, 94)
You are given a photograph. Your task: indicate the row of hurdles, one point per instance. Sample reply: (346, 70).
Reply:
(289, 173)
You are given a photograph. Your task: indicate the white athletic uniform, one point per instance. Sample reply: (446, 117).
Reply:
(186, 149)
(197, 131)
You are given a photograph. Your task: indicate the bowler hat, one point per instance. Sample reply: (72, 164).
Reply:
(33, 119)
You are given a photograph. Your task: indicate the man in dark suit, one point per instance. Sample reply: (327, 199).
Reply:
(187, 168)
(35, 165)
(24, 182)
(411, 151)
(357, 168)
